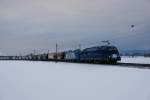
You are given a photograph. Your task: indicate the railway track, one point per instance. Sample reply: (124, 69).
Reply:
(119, 64)
(134, 65)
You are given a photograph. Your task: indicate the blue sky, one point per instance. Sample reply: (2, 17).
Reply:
(40, 24)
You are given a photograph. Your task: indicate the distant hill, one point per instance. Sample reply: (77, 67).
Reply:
(135, 52)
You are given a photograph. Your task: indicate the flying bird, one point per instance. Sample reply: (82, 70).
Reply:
(132, 26)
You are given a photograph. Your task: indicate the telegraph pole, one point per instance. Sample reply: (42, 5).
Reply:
(34, 52)
(56, 50)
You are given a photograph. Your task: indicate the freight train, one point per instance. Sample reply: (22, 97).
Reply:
(97, 54)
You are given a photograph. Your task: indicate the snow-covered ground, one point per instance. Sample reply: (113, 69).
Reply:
(141, 60)
(20, 80)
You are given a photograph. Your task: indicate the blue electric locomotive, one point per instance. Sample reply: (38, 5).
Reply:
(103, 54)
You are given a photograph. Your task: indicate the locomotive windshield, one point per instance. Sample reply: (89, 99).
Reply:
(113, 49)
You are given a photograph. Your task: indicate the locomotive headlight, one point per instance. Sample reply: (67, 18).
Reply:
(114, 56)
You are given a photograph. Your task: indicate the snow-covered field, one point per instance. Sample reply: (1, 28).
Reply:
(140, 60)
(20, 80)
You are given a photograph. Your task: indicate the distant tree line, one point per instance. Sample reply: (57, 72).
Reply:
(146, 54)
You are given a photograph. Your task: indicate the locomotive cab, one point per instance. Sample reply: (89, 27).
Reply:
(113, 54)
